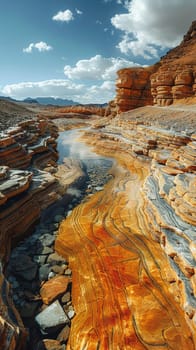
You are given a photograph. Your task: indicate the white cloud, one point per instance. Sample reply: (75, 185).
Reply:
(79, 12)
(99, 93)
(40, 46)
(55, 88)
(63, 16)
(97, 68)
(89, 81)
(150, 24)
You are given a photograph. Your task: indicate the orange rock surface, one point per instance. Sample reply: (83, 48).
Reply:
(122, 280)
(85, 110)
(133, 88)
(53, 288)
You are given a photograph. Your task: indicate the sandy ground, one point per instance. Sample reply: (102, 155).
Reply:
(179, 117)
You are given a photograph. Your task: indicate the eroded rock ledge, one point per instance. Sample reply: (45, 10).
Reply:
(29, 182)
(132, 246)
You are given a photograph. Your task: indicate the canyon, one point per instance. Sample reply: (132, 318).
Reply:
(131, 241)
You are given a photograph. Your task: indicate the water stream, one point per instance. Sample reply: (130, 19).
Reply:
(33, 261)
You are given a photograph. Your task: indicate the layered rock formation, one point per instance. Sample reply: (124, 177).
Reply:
(80, 110)
(24, 191)
(132, 245)
(29, 182)
(170, 80)
(175, 78)
(133, 88)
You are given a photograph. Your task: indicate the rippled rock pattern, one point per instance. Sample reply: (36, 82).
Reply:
(131, 248)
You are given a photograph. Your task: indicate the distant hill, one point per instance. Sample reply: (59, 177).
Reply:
(30, 100)
(7, 98)
(12, 113)
(51, 101)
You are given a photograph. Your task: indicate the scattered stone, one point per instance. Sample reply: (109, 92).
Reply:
(51, 275)
(55, 258)
(24, 267)
(58, 269)
(52, 318)
(40, 259)
(54, 288)
(71, 314)
(44, 272)
(66, 298)
(68, 272)
(64, 334)
(46, 251)
(47, 239)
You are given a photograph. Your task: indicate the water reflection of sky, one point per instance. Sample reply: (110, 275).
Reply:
(69, 146)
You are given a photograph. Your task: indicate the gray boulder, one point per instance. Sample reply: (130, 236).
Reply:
(52, 318)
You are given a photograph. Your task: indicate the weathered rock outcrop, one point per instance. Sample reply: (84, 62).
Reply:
(175, 78)
(133, 88)
(80, 110)
(23, 193)
(30, 139)
(29, 182)
(168, 81)
(132, 245)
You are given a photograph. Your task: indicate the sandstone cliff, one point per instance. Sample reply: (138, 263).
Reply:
(133, 88)
(168, 81)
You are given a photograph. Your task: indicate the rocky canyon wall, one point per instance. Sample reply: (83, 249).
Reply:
(168, 81)
(24, 190)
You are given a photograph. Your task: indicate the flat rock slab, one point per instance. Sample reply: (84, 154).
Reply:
(51, 318)
(54, 288)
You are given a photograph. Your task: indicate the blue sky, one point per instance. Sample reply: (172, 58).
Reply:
(72, 48)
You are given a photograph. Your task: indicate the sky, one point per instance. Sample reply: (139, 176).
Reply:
(72, 49)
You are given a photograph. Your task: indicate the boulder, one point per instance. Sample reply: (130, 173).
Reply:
(52, 318)
(54, 288)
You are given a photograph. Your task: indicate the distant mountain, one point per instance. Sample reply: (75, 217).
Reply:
(7, 98)
(30, 100)
(51, 101)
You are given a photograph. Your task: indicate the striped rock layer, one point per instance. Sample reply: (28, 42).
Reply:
(132, 246)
